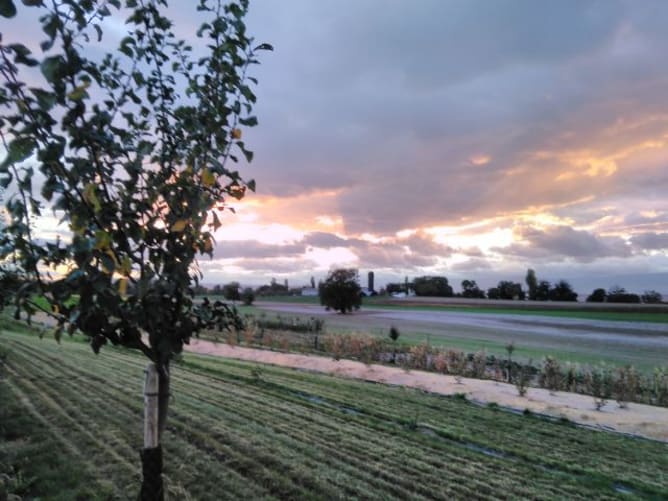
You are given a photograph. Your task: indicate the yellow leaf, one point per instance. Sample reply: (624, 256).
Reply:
(123, 286)
(208, 245)
(102, 240)
(236, 133)
(79, 92)
(208, 179)
(76, 226)
(90, 196)
(55, 309)
(179, 226)
(126, 266)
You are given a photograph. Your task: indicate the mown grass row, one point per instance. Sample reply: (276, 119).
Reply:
(238, 430)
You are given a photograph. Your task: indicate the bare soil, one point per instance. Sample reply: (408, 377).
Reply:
(638, 419)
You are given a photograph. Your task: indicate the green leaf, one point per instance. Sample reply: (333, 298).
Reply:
(46, 45)
(32, 3)
(19, 149)
(5, 181)
(21, 53)
(247, 153)
(264, 46)
(45, 99)
(78, 93)
(51, 67)
(7, 8)
(249, 122)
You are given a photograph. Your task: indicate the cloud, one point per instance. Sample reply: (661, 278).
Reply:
(253, 249)
(561, 242)
(543, 122)
(650, 241)
(392, 114)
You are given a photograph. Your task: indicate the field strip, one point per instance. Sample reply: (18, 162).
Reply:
(638, 419)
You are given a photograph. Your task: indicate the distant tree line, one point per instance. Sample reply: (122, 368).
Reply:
(439, 286)
(536, 290)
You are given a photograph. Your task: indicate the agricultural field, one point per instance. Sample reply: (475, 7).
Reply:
(70, 428)
(579, 335)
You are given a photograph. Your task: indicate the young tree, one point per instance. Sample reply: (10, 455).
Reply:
(133, 151)
(341, 290)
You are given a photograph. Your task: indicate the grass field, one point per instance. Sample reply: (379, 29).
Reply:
(70, 428)
(472, 338)
(622, 312)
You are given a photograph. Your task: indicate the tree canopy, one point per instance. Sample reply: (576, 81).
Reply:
(470, 289)
(532, 283)
(132, 154)
(341, 290)
(432, 286)
(506, 289)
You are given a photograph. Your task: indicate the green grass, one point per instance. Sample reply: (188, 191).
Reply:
(632, 315)
(71, 427)
(528, 346)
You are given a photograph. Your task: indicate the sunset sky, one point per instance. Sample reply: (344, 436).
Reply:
(471, 139)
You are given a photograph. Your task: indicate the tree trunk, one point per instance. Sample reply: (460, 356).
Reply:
(163, 397)
(152, 487)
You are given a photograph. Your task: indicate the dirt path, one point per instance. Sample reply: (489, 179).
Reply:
(637, 419)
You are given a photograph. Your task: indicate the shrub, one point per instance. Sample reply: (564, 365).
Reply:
(571, 378)
(420, 356)
(551, 376)
(626, 385)
(440, 363)
(479, 364)
(598, 383)
(457, 364)
(660, 386)
(522, 379)
(394, 333)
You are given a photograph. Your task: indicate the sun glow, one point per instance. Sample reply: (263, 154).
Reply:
(480, 160)
(485, 240)
(275, 234)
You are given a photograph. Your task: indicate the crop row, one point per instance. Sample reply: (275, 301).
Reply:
(240, 430)
(539, 441)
